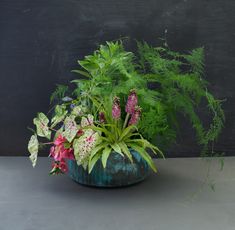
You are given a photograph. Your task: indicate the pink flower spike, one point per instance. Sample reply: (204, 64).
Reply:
(102, 117)
(116, 109)
(135, 116)
(132, 102)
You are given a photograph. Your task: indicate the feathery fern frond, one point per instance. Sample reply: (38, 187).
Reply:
(59, 92)
(180, 87)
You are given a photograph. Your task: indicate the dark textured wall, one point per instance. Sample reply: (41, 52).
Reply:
(41, 40)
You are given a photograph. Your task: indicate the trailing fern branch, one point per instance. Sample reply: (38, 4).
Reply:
(59, 92)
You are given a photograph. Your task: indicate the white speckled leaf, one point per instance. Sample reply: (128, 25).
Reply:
(60, 113)
(41, 122)
(87, 120)
(77, 111)
(58, 132)
(84, 145)
(33, 149)
(70, 128)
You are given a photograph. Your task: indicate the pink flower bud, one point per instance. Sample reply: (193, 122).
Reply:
(102, 117)
(131, 102)
(135, 116)
(80, 132)
(116, 109)
(59, 140)
(63, 166)
(59, 167)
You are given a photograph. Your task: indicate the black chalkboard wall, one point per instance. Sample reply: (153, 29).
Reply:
(41, 40)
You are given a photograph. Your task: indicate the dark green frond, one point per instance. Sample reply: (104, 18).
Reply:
(59, 92)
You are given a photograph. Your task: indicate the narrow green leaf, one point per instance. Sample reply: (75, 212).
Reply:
(97, 149)
(221, 163)
(117, 148)
(93, 161)
(108, 134)
(127, 137)
(126, 131)
(83, 73)
(147, 144)
(144, 155)
(105, 154)
(59, 92)
(126, 151)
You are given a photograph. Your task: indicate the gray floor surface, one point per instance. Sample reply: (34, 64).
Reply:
(171, 199)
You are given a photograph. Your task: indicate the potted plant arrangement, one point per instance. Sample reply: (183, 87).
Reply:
(122, 111)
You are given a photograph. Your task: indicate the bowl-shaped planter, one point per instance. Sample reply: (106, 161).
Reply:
(119, 171)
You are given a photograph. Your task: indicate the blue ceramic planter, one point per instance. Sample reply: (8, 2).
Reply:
(119, 171)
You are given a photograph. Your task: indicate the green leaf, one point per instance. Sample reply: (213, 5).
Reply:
(221, 160)
(147, 144)
(117, 148)
(70, 128)
(108, 134)
(59, 92)
(105, 154)
(60, 113)
(126, 151)
(144, 155)
(126, 131)
(83, 73)
(67, 145)
(41, 122)
(77, 111)
(33, 149)
(84, 145)
(97, 149)
(93, 161)
(87, 121)
(58, 132)
(128, 137)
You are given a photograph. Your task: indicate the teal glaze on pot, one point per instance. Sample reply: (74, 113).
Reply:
(119, 171)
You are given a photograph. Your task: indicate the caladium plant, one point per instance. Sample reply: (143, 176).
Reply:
(87, 138)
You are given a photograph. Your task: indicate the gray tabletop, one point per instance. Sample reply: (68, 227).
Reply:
(171, 199)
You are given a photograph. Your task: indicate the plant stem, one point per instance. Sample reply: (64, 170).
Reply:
(126, 120)
(115, 129)
(52, 129)
(46, 143)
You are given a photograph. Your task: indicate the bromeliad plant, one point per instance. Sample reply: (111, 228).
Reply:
(121, 136)
(91, 121)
